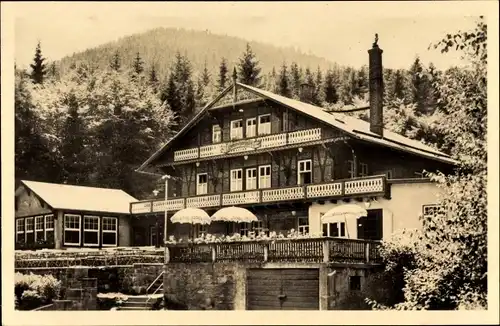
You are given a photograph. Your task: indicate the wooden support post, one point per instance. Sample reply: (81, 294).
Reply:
(266, 252)
(326, 251)
(213, 253)
(367, 252)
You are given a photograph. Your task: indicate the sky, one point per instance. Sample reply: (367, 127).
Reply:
(338, 31)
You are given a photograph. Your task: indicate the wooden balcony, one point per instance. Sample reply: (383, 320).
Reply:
(248, 145)
(306, 250)
(366, 186)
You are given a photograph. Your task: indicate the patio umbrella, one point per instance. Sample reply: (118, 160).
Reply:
(191, 216)
(342, 212)
(234, 214)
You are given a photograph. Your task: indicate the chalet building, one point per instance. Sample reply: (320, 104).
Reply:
(289, 162)
(60, 216)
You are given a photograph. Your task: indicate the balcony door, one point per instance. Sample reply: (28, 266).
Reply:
(265, 176)
(264, 124)
(201, 184)
(236, 180)
(251, 127)
(251, 181)
(370, 227)
(236, 129)
(304, 172)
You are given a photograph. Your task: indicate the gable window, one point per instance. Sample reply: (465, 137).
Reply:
(39, 228)
(236, 129)
(251, 127)
(303, 225)
(201, 184)
(350, 169)
(49, 228)
(363, 170)
(264, 124)
(237, 180)
(91, 231)
(304, 172)
(251, 182)
(265, 176)
(109, 231)
(30, 236)
(216, 134)
(20, 230)
(72, 229)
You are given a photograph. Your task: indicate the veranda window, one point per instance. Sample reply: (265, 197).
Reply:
(251, 182)
(303, 225)
(251, 127)
(305, 172)
(201, 184)
(236, 129)
(237, 180)
(216, 134)
(265, 176)
(350, 169)
(39, 234)
(91, 231)
(72, 229)
(49, 228)
(200, 230)
(30, 236)
(109, 231)
(20, 230)
(363, 170)
(265, 124)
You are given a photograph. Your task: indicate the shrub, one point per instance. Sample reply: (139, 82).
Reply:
(32, 291)
(30, 300)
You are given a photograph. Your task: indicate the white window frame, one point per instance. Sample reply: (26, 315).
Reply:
(201, 188)
(23, 226)
(104, 218)
(363, 170)
(216, 134)
(251, 180)
(299, 171)
(301, 226)
(38, 230)
(265, 180)
(26, 228)
(264, 128)
(350, 170)
(92, 230)
(236, 133)
(339, 224)
(200, 229)
(79, 229)
(252, 127)
(46, 227)
(235, 183)
(256, 227)
(244, 228)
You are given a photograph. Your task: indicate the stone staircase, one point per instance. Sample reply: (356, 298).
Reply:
(140, 302)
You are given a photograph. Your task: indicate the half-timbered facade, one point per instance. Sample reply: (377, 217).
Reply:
(289, 162)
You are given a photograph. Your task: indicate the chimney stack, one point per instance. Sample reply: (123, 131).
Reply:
(306, 92)
(376, 85)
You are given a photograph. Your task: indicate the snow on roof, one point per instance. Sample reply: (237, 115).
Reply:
(69, 197)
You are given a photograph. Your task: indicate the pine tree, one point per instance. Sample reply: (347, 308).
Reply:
(319, 95)
(153, 78)
(172, 96)
(295, 79)
(248, 69)
(330, 90)
(419, 86)
(52, 73)
(38, 71)
(205, 76)
(115, 63)
(222, 79)
(309, 79)
(138, 65)
(283, 83)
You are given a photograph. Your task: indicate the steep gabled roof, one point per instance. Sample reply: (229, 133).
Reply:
(91, 199)
(355, 127)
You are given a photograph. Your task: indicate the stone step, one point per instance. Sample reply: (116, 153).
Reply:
(133, 308)
(136, 304)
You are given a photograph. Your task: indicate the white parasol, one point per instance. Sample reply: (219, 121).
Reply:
(191, 216)
(234, 214)
(342, 213)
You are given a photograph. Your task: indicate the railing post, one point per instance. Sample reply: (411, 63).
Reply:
(367, 252)
(326, 251)
(266, 251)
(213, 253)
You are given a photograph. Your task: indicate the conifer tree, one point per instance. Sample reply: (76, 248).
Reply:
(153, 78)
(138, 65)
(248, 68)
(38, 71)
(205, 76)
(319, 95)
(283, 83)
(295, 79)
(115, 63)
(330, 90)
(222, 79)
(419, 86)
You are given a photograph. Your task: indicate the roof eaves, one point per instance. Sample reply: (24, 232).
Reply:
(37, 195)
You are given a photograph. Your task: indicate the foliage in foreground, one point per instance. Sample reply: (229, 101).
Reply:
(33, 291)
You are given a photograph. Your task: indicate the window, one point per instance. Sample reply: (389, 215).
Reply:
(304, 172)
(364, 170)
(201, 184)
(39, 234)
(237, 180)
(354, 283)
(109, 231)
(200, 230)
(257, 227)
(337, 229)
(91, 231)
(265, 124)
(244, 227)
(152, 236)
(350, 169)
(30, 236)
(216, 134)
(265, 176)
(72, 229)
(236, 129)
(303, 225)
(430, 211)
(49, 228)
(251, 126)
(254, 228)
(20, 230)
(251, 182)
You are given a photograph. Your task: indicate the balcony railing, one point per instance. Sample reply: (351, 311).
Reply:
(246, 145)
(310, 250)
(373, 185)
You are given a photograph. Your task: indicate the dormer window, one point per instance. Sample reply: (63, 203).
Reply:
(265, 124)
(236, 129)
(216, 134)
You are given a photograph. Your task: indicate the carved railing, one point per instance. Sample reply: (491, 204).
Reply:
(250, 144)
(336, 189)
(311, 250)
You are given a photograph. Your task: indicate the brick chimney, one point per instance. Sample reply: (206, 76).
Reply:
(376, 85)
(306, 92)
